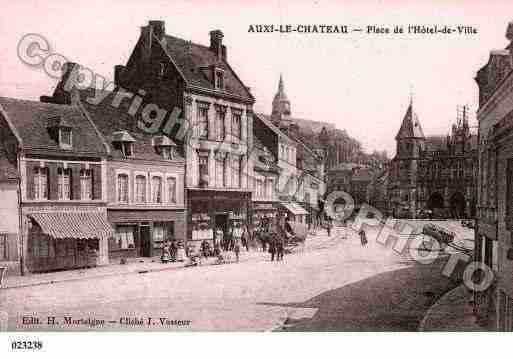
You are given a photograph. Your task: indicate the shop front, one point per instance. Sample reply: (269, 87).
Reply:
(211, 210)
(297, 216)
(59, 240)
(263, 210)
(143, 233)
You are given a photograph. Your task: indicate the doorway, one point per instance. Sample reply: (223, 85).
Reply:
(145, 241)
(222, 222)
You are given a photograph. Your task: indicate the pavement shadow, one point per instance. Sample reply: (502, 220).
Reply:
(392, 301)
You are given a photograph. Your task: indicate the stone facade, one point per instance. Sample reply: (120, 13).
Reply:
(495, 182)
(433, 175)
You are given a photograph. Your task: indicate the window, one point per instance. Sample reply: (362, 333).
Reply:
(219, 80)
(203, 170)
(64, 183)
(127, 149)
(123, 188)
(282, 151)
(125, 237)
(269, 189)
(40, 183)
(86, 184)
(156, 189)
(459, 166)
(203, 122)
(140, 189)
(236, 125)
(171, 190)
(288, 155)
(236, 175)
(260, 188)
(220, 171)
(220, 128)
(162, 69)
(65, 136)
(167, 152)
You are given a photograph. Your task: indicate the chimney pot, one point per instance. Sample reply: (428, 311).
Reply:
(216, 43)
(158, 27)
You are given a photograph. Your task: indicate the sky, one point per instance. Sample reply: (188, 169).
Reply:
(361, 82)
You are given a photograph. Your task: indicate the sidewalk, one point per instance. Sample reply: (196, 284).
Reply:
(139, 265)
(452, 312)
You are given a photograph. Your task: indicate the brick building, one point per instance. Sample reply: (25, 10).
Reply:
(144, 173)
(433, 173)
(60, 218)
(218, 121)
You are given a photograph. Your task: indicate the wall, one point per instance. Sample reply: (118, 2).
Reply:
(9, 218)
(210, 145)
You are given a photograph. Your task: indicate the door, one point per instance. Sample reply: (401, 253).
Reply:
(3, 247)
(145, 241)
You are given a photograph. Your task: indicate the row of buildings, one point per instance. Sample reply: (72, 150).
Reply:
(93, 175)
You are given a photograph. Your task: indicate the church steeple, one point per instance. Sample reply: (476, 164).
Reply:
(410, 127)
(281, 106)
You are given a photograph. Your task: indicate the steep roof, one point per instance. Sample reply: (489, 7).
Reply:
(436, 143)
(266, 119)
(32, 120)
(410, 128)
(111, 122)
(192, 60)
(7, 169)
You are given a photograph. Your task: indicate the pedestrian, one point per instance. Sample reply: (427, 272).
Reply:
(363, 237)
(245, 238)
(328, 226)
(236, 246)
(280, 248)
(272, 245)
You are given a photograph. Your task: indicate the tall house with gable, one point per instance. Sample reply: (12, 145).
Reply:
(217, 133)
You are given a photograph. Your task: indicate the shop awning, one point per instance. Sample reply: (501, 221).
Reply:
(73, 225)
(293, 208)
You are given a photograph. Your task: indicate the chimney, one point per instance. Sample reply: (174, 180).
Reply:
(216, 43)
(118, 73)
(66, 91)
(158, 28)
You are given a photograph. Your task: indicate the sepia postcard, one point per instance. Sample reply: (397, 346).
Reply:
(237, 166)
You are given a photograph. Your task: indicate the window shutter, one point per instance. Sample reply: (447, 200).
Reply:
(75, 180)
(30, 180)
(97, 181)
(52, 180)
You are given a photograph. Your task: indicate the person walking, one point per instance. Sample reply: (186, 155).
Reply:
(236, 243)
(329, 225)
(363, 237)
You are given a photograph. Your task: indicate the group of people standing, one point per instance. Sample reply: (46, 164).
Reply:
(273, 234)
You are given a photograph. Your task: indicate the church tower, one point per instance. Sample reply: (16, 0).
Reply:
(280, 114)
(410, 143)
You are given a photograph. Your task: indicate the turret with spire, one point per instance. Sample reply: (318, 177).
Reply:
(280, 114)
(410, 137)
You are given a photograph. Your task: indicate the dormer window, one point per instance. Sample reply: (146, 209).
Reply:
(65, 137)
(61, 132)
(219, 79)
(165, 147)
(123, 142)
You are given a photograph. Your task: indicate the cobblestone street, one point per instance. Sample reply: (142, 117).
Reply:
(334, 284)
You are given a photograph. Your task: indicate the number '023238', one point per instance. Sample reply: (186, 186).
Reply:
(27, 345)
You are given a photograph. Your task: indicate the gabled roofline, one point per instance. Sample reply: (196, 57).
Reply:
(11, 126)
(85, 113)
(170, 59)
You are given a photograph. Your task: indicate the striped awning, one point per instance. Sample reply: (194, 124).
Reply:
(294, 208)
(73, 225)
